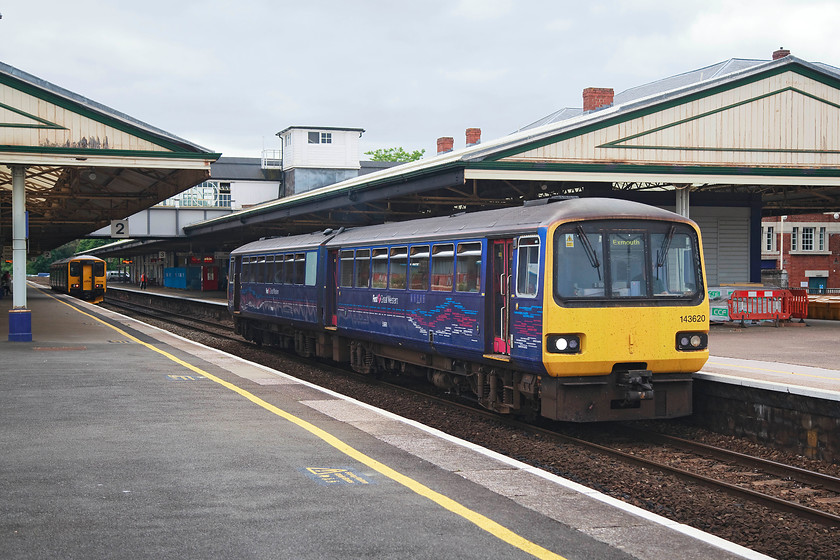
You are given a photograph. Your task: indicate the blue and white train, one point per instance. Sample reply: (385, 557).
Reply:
(577, 310)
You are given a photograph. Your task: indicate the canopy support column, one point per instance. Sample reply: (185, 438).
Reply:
(682, 199)
(20, 318)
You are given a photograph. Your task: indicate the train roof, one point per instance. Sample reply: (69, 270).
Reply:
(495, 223)
(292, 242)
(76, 258)
(501, 222)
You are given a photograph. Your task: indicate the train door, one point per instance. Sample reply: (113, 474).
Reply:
(87, 277)
(502, 266)
(235, 281)
(330, 313)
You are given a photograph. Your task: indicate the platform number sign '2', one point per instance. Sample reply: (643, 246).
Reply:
(119, 228)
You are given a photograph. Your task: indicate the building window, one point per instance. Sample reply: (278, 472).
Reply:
(807, 239)
(320, 137)
(769, 238)
(794, 233)
(822, 239)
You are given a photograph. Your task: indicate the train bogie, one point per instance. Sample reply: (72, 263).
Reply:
(579, 310)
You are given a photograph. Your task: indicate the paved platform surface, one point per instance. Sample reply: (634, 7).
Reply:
(119, 440)
(802, 358)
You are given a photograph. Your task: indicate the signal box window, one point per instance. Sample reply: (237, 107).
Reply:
(379, 269)
(362, 268)
(320, 137)
(418, 268)
(468, 267)
(346, 278)
(528, 273)
(399, 262)
(443, 267)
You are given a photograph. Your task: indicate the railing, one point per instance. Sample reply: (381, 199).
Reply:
(272, 159)
(823, 291)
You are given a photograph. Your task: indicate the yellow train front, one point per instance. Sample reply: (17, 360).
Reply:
(625, 315)
(82, 277)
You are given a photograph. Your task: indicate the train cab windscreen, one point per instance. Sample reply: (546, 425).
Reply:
(622, 262)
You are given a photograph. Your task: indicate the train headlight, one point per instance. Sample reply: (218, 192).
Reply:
(563, 343)
(692, 341)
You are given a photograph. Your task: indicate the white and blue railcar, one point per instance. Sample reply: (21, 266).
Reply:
(582, 309)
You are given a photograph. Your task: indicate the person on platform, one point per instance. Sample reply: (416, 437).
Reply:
(6, 284)
(143, 281)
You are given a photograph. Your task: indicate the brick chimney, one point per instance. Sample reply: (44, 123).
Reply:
(596, 98)
(473, 136)
(445, 144)
(781, 53)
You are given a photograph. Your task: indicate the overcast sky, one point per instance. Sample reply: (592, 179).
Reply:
(230, 75)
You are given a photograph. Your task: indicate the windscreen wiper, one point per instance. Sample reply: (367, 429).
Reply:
(663, 250)
(590, 253)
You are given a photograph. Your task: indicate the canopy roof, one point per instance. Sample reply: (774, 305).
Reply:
(85, 164)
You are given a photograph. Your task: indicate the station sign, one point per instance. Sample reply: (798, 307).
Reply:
(119, 228)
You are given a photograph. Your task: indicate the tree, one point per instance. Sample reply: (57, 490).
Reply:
(395, 154)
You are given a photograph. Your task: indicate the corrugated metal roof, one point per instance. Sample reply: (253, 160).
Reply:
(669, 84)
(636, 99)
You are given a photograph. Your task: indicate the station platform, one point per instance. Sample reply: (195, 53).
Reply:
(121, 440)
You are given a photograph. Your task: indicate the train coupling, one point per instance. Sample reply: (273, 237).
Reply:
(637, 384)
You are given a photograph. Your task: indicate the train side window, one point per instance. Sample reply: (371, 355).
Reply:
(269, 269)
(246, 269)
(362, 279)
(399, 262)
(468, 267)
(75, 268)
(528, 272)
(300, 269)
(260, 270)
(379, 269)
(443, 267)
(311, 268)
(345, 279)
(418, 268)
(278, 269)
(289, 269)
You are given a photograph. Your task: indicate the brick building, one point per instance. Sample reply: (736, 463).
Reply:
(802, 251)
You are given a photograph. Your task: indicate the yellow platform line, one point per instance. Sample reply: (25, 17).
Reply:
(481, 521)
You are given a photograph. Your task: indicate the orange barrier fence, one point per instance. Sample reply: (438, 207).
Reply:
(768, 305)
(798, 303)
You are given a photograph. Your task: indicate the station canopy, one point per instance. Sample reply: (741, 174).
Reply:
(765, 130)
(85, 164)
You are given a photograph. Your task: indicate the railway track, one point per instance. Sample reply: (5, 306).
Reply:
(816, 496)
